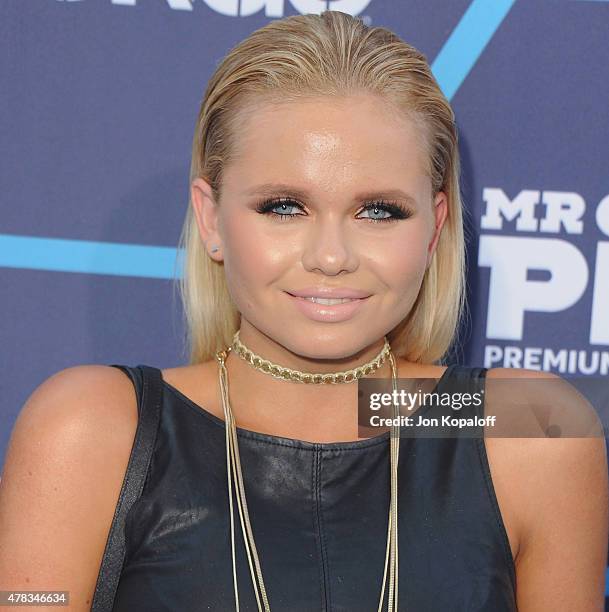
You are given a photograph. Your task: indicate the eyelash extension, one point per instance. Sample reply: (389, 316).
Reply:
(395, 208)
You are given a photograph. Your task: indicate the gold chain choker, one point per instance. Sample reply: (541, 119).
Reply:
(331, 378)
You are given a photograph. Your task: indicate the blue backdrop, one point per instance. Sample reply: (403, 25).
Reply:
(98, 101)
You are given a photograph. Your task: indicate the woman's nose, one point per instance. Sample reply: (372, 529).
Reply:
(329, 248)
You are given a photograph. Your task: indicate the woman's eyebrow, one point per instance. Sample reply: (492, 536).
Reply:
(274, 189)
(268, 189)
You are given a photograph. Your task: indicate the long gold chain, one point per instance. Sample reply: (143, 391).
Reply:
(233, 465)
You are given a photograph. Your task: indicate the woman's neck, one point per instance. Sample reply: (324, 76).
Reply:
(306, 411)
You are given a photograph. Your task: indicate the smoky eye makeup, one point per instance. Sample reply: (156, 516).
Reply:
(395, 210)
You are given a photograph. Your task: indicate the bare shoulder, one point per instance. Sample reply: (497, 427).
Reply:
(555, 492)
(62, 475)
(541, 404)
(79, 405)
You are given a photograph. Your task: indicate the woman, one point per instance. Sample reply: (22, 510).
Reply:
(325, 166)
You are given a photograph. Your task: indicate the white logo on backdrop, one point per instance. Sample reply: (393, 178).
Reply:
(272, 8)
(567, 276)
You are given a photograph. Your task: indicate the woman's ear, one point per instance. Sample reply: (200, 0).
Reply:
(206, 214)
(440, 212)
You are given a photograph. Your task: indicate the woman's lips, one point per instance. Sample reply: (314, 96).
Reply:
(330, 313)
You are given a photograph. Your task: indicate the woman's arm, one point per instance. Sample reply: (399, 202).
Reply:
(563, 556)
(64, 468)
(559, 490)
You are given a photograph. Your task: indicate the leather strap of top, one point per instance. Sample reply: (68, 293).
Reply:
(149, 410)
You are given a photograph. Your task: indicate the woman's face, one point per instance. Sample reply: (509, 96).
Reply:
(321, 162)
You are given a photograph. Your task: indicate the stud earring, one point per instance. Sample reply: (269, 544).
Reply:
(214, 249)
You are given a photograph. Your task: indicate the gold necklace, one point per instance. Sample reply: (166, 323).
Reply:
(233, 464)
(268, 367)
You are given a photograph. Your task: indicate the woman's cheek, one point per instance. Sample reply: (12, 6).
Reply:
(409, 273)
(250, 269)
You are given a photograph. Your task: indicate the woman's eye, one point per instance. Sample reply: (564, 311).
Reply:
(278, 208)
(378, 211)
(386, 211)
(375, 211)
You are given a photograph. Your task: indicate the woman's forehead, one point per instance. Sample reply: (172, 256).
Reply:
(320, 137)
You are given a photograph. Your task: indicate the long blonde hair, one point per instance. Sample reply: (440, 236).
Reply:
(306, 56)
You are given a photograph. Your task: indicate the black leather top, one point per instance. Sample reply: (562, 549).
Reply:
(319, 516)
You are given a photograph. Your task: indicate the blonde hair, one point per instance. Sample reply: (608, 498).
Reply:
(304, 56)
